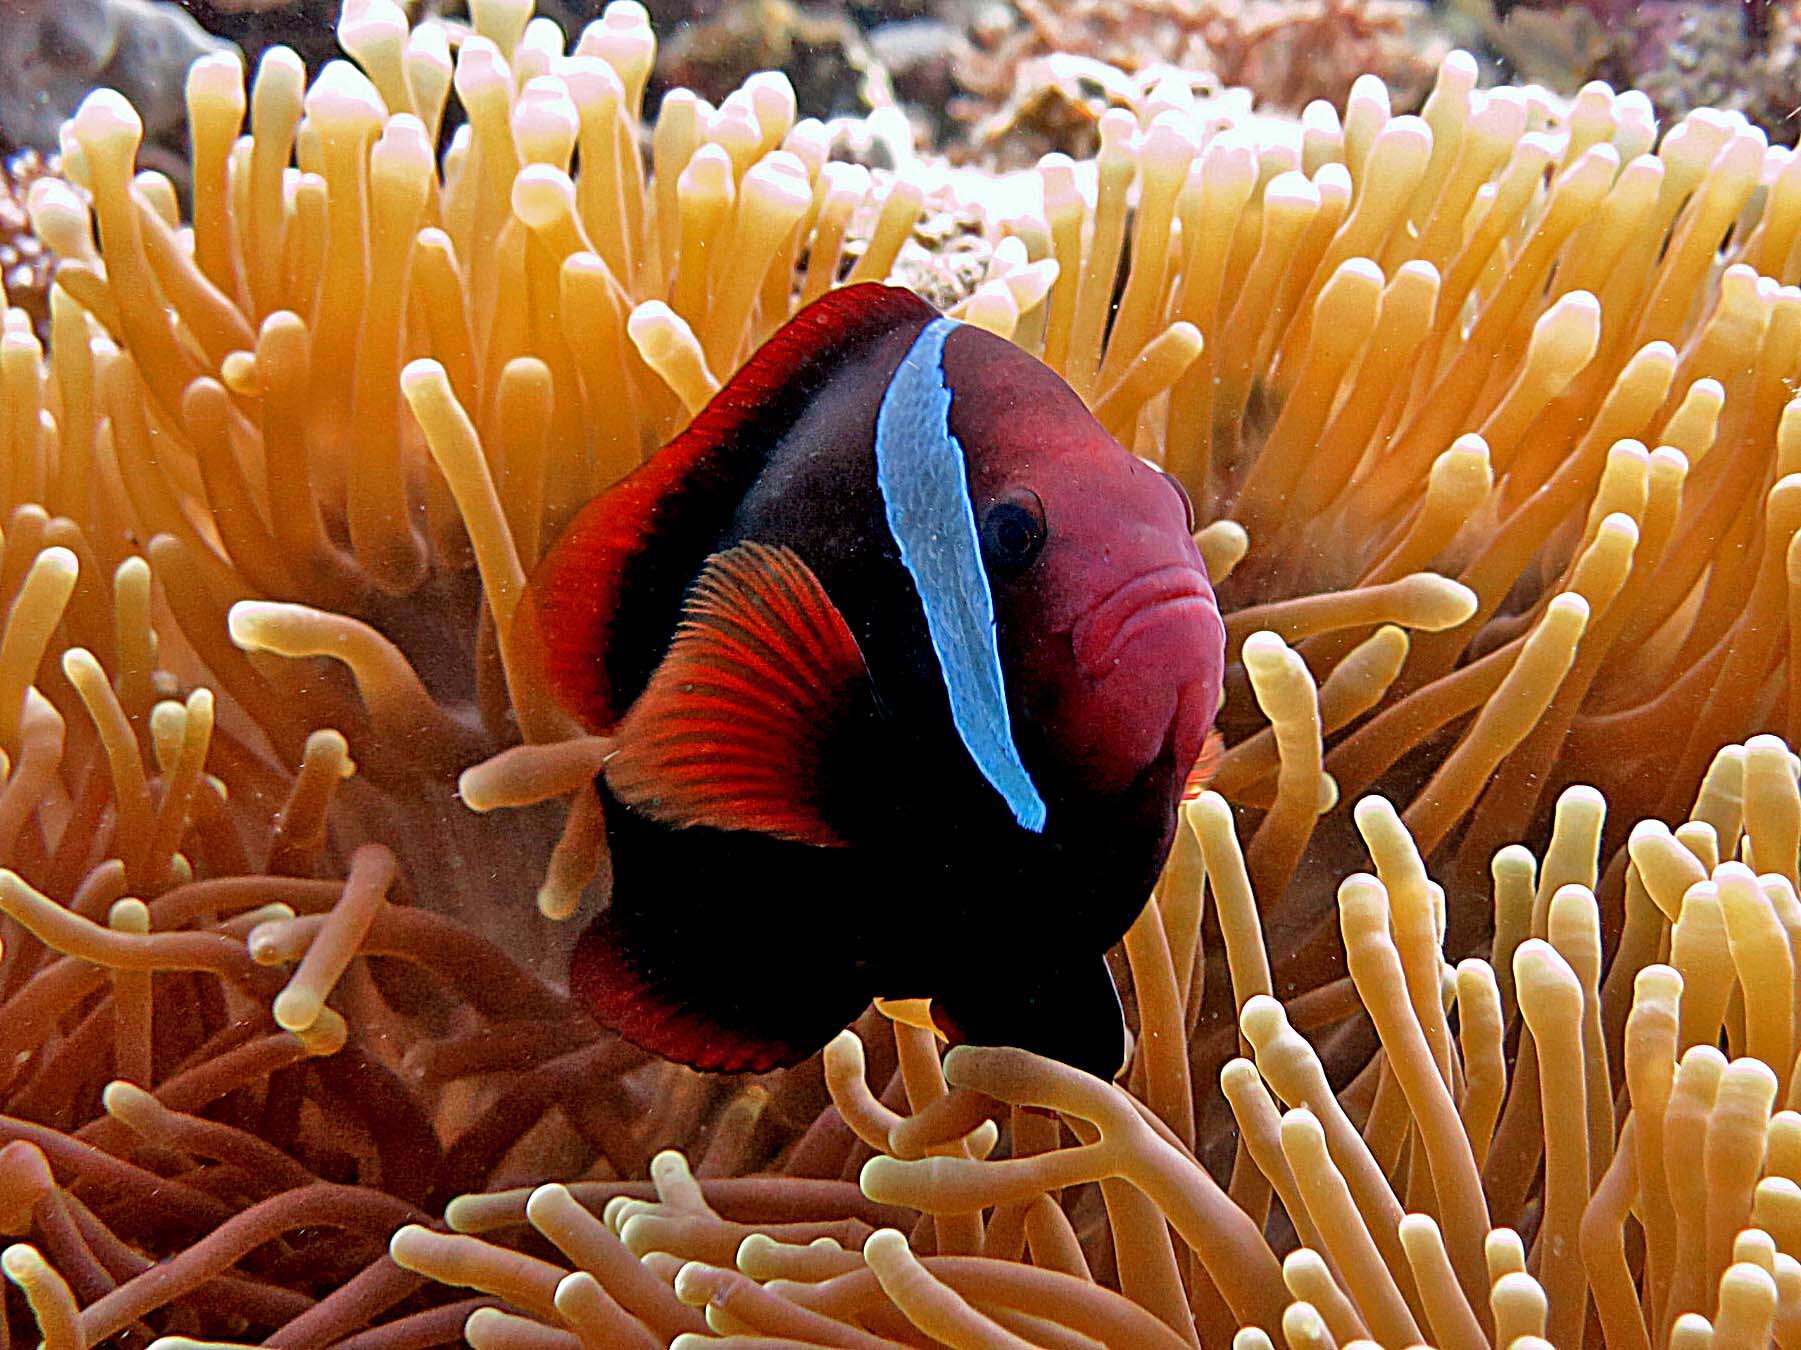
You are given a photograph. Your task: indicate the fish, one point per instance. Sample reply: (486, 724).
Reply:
(905, 663)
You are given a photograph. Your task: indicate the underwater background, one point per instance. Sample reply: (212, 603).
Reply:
(1467, 1008)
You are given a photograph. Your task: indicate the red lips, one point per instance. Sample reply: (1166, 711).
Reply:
(1100, 637)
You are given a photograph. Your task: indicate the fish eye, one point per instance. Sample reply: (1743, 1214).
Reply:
(1013, 531)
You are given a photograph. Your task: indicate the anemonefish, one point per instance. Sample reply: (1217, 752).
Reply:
(905, 663)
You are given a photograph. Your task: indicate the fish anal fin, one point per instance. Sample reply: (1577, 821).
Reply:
(1069, 1012)
(718, 1001)
(732, 728)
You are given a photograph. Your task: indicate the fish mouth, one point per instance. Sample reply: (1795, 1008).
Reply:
(1101, 636)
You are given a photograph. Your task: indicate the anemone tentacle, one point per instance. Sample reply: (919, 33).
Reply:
(1488, 932)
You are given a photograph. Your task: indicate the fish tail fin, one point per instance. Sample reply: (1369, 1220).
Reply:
(720, 994)
(1069, 1012)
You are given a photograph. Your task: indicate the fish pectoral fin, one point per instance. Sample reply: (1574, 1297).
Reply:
(733, 726)
(1069, 1012)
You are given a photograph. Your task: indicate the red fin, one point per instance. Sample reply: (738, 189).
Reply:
(1206, 764)
(1068, 1011)
(619, 993)
(730, 731)
(946, 1026)
(678, 503)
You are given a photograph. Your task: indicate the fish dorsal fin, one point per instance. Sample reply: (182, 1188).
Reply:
(730, 731)
(925, 491)
(613, 584)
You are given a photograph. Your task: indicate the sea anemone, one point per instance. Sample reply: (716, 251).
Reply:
(1488, 412)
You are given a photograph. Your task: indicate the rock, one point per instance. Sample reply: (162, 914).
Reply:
(945, 255)
(922, 58)
(52, 52)
(821, 51)
(1055, 102)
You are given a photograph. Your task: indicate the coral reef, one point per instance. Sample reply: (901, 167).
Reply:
(1069, 58)
(1740, 57)
(1683, 54)
(25, 263)
(820, 49)
(1490, 414)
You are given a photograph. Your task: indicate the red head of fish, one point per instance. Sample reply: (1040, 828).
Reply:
(1112, 633)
